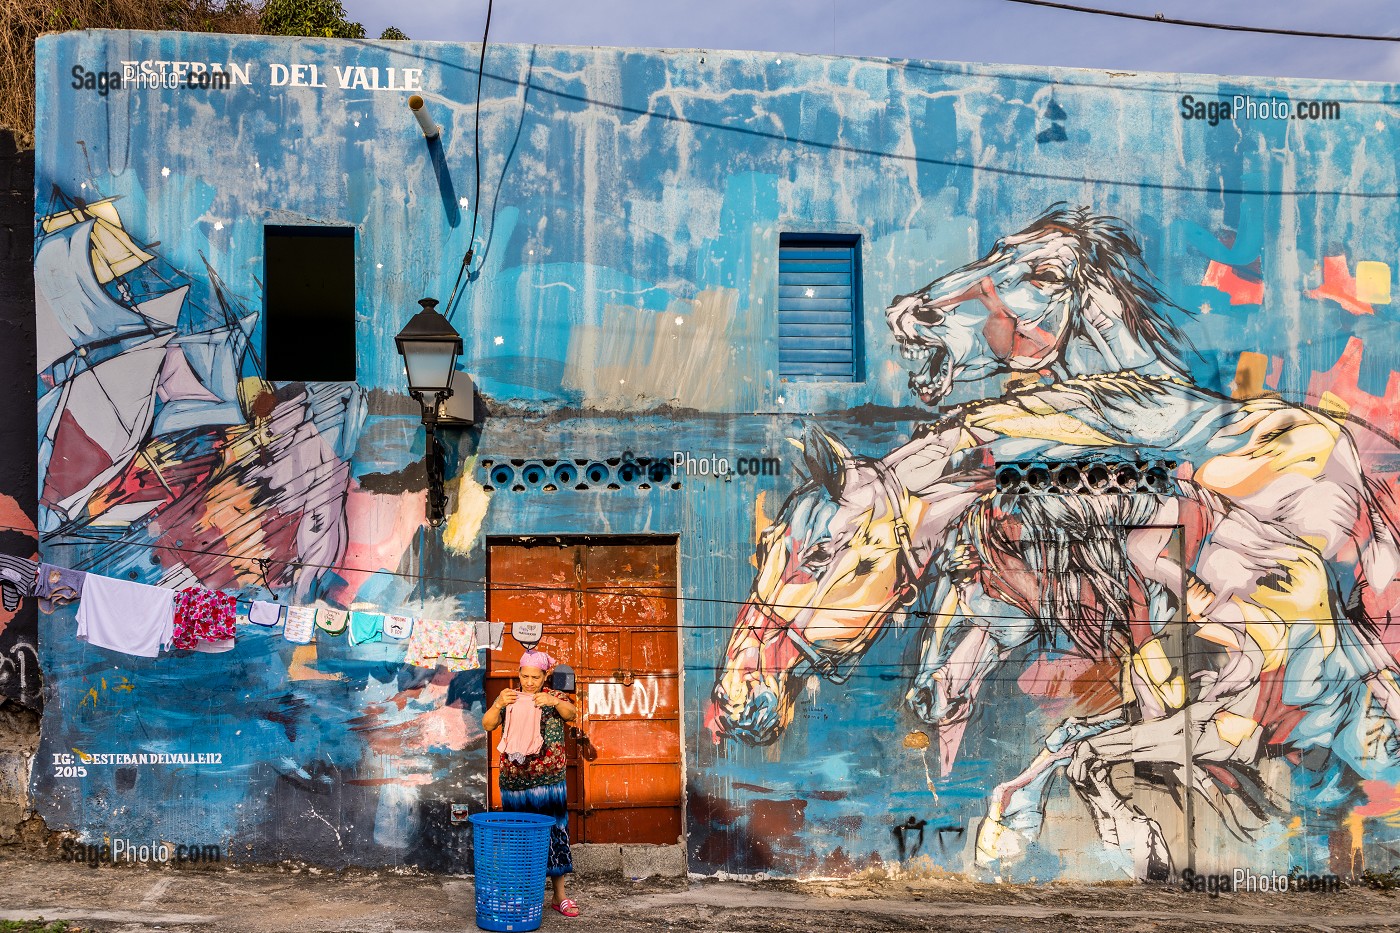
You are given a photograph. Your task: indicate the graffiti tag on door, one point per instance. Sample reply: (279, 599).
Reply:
(639, 698)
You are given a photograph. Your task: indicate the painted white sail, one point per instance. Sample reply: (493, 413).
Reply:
(165, 308)
(81, 307)
(96, 424)
(198, 385)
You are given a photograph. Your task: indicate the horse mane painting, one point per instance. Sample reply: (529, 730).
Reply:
(1069, 294)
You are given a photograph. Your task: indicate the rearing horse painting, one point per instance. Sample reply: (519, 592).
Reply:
(1284, 596)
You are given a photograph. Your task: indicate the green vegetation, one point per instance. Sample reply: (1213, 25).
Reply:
(308, 18)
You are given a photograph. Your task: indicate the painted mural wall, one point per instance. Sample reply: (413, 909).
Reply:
(1171, 648)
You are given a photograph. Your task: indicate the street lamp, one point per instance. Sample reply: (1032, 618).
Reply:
(430, 347)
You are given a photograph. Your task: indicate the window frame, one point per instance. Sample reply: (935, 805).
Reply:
(311, 231)
(854, 241)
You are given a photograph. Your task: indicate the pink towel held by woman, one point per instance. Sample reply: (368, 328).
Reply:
(522, 736)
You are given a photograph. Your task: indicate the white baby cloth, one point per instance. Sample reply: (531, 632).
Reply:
(489, 635)
(301, 623)
(398, 626)
(264, 613)
(132, 618)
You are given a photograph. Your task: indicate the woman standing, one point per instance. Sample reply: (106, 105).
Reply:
(534, 782)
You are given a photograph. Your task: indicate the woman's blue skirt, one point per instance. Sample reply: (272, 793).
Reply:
(549, 800)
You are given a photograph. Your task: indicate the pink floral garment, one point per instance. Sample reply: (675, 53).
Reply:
(203, 615)
(443, 644)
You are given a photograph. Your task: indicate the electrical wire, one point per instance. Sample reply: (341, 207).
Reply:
(476, 160)
(1202, 24)
(634, 591)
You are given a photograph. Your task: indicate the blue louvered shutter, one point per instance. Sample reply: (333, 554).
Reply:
(818, 292)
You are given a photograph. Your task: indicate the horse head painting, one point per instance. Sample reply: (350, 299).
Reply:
(1093, 577)
(1069, 293)
(841, 559)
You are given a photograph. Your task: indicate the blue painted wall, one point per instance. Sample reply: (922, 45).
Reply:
(623, 298)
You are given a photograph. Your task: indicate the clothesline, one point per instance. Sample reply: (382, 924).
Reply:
(143, 620)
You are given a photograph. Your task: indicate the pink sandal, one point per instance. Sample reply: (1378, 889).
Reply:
(566, 907)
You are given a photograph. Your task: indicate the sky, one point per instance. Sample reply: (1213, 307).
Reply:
(948, 30)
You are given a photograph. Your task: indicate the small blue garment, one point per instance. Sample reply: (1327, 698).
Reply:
(365, 627)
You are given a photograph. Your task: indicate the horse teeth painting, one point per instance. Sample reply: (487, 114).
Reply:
(1243, 619)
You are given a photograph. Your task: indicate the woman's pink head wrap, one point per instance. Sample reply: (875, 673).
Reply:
(537, 659)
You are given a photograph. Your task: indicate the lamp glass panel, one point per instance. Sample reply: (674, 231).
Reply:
(429, 364)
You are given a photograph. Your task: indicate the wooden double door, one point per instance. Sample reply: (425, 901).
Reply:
(608, 607)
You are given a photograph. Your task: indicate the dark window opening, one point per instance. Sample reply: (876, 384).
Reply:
(819, 329)
(309, 290)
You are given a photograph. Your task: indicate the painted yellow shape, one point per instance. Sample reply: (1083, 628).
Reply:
(464, 521)
(1151, 662)
(1303, 600)
(301, 668)
(1250, 372)
(1373, 282)
(1273, 441)
(82, 755)
(1020, 420)
(966, 441)
(761, 521)
(1234, 728)
(951, 603)
(989, 834)
(1333, 405)
(113, 252)
(1356, 825)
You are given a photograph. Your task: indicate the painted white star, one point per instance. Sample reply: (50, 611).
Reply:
(357, 122)
(500, 340)
(462, 203)
(218, 225)
(1205, 307)
(781, 400)
(811, 293)
(165, 172)
(379, 265)
(679, 320)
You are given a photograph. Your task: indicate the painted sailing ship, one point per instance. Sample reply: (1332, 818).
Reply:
(114, 371)
(158, 422)
(100, 353)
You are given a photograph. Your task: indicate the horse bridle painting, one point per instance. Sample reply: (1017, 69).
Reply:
(826, 663)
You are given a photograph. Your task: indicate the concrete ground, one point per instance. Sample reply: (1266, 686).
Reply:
(309, 900)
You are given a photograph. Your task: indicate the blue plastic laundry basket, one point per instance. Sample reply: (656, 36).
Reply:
(512, 851)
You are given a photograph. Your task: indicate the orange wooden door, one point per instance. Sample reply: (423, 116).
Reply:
(535, 583)
(609, 610)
